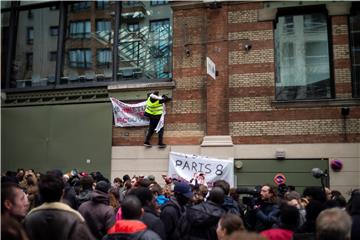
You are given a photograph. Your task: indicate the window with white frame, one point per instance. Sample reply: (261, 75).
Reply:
(302, 57)
(80, 58)
(80, 29)
(103, 57)
(355, 49)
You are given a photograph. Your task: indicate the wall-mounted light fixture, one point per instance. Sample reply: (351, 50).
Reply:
(345, 111)
(187, 52)
(213, 4)
(247, 46)
(280, 154)
(238, 164)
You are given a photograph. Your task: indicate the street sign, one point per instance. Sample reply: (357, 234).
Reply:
(210, 68)
(279, 179)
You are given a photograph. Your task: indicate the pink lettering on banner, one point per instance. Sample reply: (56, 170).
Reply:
(127, 110)
(122, 120)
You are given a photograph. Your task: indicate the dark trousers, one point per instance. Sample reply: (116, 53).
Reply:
(154, 120)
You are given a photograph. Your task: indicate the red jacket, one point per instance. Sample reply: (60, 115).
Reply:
(278, 234)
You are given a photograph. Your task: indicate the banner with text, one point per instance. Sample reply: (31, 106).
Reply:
(129, 115)
(204, 169)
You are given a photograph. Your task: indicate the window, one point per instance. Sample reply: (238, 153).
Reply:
(102, 4)
(155, 3)
(103, 57)
(80, 58)
(103, 29)
(355, 50)
(160, 46)
(80, 29)
(80, 6)
(132, 3)
(30, 35)
(52, 56)
(133, 27)
(302, 57)
(54, 31)
(29, 61)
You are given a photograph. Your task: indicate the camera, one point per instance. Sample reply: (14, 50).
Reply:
(253, 195)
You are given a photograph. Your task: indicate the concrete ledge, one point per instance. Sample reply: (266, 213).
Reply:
(338, 8)
(217, 141)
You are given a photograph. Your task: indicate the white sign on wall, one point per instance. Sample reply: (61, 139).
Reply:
(185, 166)
(210, 68)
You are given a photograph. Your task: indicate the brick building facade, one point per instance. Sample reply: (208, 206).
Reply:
(241, 102)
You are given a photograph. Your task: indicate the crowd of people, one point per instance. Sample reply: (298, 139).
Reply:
(76, 205)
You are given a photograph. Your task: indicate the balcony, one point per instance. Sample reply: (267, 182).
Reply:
(133, 11)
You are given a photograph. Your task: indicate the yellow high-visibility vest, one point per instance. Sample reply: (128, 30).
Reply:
(153, 108)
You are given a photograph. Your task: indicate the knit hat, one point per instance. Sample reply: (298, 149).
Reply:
(103, 186)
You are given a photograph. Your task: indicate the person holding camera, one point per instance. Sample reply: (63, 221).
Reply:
(154, 110)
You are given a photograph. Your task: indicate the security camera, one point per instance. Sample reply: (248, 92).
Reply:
(188, 52)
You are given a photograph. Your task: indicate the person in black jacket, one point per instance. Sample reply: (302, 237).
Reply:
(98, 213)
(172, 210)
(130, 227)
(150, 217)
(229, 205)
(267, 211)
(200, 221)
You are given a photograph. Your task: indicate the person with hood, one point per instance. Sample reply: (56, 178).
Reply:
(86, 183)
(229, 205)
(130, 227)
(154, 110)
(200, 221)
(98, 213)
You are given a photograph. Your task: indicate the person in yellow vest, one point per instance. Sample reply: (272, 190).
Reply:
(154, 110)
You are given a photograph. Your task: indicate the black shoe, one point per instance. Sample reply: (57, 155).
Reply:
(162, 145)
(147, 145)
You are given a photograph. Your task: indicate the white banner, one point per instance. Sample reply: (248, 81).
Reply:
(129, 115)
(189, 166)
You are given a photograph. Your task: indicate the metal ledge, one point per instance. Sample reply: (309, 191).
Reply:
(316, 103)
(140, 86)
